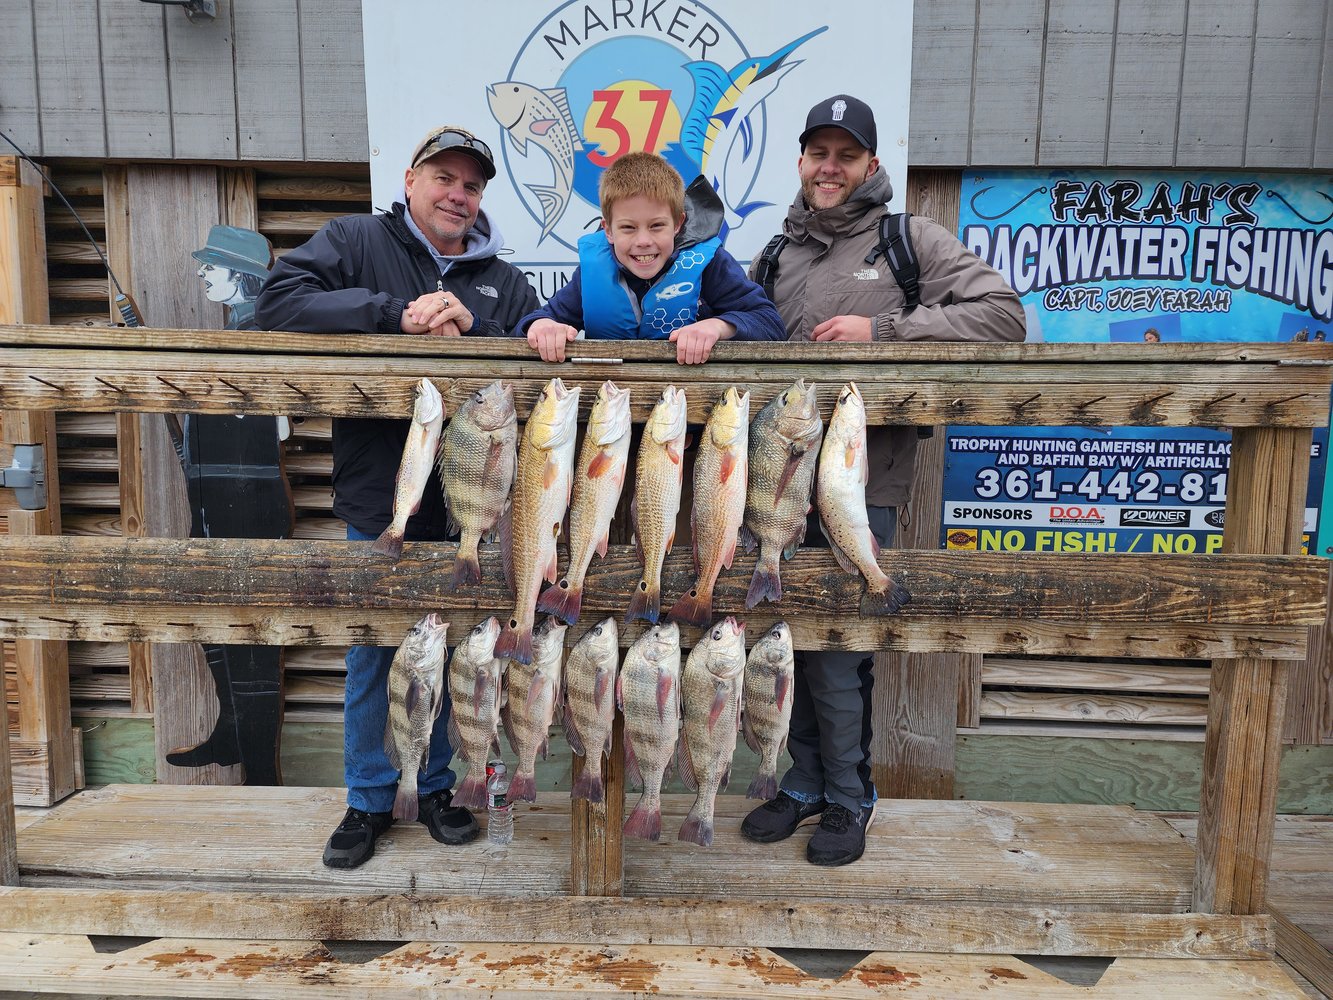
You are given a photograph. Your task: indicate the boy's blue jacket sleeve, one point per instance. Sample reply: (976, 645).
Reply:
(729, 295)
(565, 306)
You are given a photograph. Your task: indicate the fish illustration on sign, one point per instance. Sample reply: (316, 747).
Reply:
(720, 113)
(541, 117)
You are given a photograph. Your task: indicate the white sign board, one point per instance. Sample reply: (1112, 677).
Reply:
(559, 91)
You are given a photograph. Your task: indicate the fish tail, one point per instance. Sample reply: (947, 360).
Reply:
(888, 602)
(645, 821)
(646, 603)
(390, 542)
(766, 584)
(763, 786)
(467, 567)
(694, 608)
(589, 784)
(405, 801)
(697, 828)
(564, 600)
(515, 644)
(471, 793)
(523, 788)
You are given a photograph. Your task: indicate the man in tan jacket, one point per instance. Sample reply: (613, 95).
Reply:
(827, 289)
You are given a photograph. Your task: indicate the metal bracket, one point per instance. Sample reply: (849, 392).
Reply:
(26, 476)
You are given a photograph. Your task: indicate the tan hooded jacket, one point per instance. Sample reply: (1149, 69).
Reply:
(822, 273)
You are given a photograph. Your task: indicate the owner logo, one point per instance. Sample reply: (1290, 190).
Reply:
(601, 78)
(1153, 517)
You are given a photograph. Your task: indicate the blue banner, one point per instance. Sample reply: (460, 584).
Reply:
(1105, 256)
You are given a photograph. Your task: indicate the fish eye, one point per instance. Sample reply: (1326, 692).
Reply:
(597, 630)
(717, 634)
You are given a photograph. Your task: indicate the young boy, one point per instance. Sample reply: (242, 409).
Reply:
(656, 271)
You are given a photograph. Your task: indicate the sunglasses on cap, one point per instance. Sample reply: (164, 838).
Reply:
(457, 138)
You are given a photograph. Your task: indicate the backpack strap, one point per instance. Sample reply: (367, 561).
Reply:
(766, 271)
(895, 246)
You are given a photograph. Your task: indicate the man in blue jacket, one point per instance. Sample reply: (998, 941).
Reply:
(428, 266)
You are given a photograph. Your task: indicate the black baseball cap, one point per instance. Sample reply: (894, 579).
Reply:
(459, 140)
(847, 113)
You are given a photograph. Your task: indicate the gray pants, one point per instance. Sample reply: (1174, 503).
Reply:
(829, 740)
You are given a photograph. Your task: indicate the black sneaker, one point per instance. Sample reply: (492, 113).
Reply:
(777, 819)
(353, 843)
(447, 823)
(841, 837)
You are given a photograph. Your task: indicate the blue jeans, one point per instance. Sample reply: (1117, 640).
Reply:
(371, 780)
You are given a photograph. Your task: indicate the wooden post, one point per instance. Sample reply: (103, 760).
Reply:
(129, 446)
(43, 665)
(597, 861)
(1247, 700)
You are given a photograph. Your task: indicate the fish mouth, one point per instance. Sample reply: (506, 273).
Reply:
(521, 111)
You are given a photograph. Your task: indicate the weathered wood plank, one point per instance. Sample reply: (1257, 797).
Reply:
(924, 395)
(1085, 707)
(69, 59)
(624, 922)
(943, 39)
(1215, 84)
(1006, 85)
(1076, 83)
(338, 627)
(1145, 90)
(268, 80)
(1161, 678)
(333, 81)
(1234, 589)
(1284, 94)
(9, 863)
(18, 68)
(289, 188)
(203, 86)
(1306, 955)
(134, 80)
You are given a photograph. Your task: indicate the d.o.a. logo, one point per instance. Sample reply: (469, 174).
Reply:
(597, 80)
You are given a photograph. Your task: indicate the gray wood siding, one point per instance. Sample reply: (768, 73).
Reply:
(1150, 83)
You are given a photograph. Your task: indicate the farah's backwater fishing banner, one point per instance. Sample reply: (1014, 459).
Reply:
(1106, 257)
(559, 91)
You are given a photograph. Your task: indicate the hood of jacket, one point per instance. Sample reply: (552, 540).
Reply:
(849, 217)
(704, 213)
(483, 240)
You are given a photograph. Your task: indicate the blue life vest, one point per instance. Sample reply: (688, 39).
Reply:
(612, 312)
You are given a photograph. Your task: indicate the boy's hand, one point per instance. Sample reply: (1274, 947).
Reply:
(695, 342)
(548, 338)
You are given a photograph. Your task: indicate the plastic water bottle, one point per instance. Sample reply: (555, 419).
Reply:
(499, 813)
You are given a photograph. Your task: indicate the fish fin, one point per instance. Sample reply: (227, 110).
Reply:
(747, 539)
(666, 692)
(645, 820)
(874, 543)
(620, 692)
(839, 554)
(560, 99)
(572, 735)
(389, 543)
(523, 788)
(405, 803)
(507, 723)
(602, 544)
(671, 541)
(726, 778)
(782, 685)
(535, 690)
(562, 600)
(600, 463)
(520, 145)
(634, 523)
(478, 692)
(505, 529)
(794, 458)
(673, 452)
(413, 696)
(601, 681)
(729, 556)
(390, 748)
(467, 565)
(552, 201)
(694, 538)
(451, 526)
(751, 737)
(632, 773)
(766, 584)
(588, 785)
(694, 608)
(890, 602)
(750, 206)
(719, 703)
(685, 762)
(645, 603)
(697, 830)
(494, 454)
(515, 644)
(455, 736)
(553, 567)
(729, 464)
(540, 126)
(471, 794)
(763, 785)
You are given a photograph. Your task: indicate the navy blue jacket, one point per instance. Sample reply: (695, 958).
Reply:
(356, 275)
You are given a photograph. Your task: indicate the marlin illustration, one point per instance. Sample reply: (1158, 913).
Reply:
(720, 113)
(543, 118)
